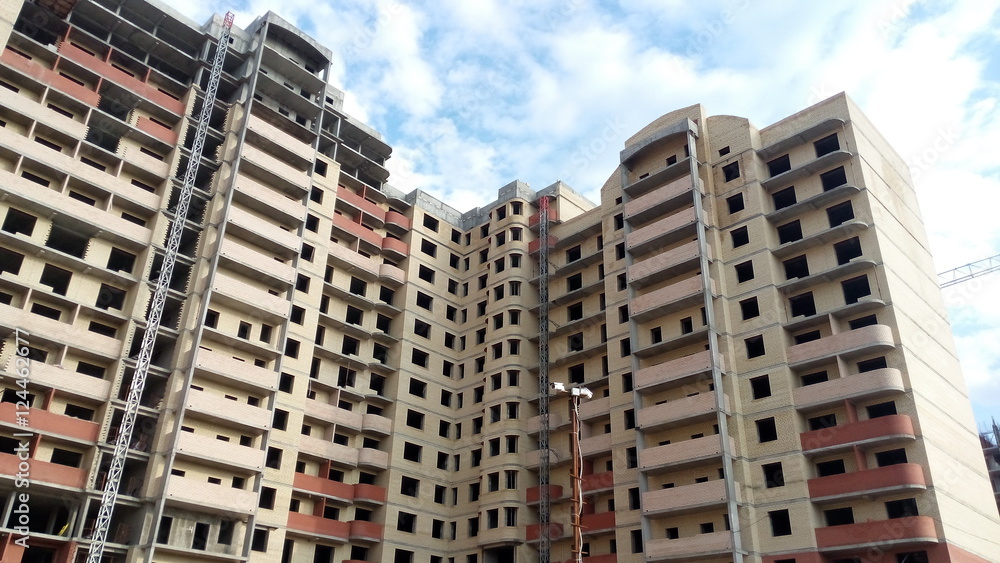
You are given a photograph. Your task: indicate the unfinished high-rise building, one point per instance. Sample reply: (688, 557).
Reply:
(348, 373)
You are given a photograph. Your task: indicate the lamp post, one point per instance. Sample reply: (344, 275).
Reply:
(575, 395)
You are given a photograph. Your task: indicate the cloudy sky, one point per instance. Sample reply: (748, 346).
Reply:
(475, 93)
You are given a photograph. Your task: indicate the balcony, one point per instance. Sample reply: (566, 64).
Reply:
(869, 385)
(536, 218)
(374, 459)
(227, 411)
(254, 195)
(248, 261)
(376, 424)
(689, 453)
(826, 236)
(664, 232)
(33, 110)
(500, 535)
(325, 449)
(685, 499)
(30, 323)
(68, 382)
(365, 531)
(863, 432)
(658, 178)
(597, 523)
(597, 482)
(866, 483)
(369, 493)
(202, 496)
(273, 139)
(261, 232)
(818, 201)
(51, 423)
(358, 203)
(120, 77)
(336, 490)
(855, 266)
(154, 129)
(353, 263)
(275, 172)
(398, 220)
(808, 169)
(800, 138)
(671, 343)
(333, 414)
(533, 532)
(534, 245)
(697, 408)
(50, 77)
(593, 408)
(225, 453)
(670, 299)
(684, 258)
(249, 298)
(853, 343)
(239, 371)
(692, 548)
(391, 274)
(317, 526)
(557, 419)
(896, 532)
(674, 372)
(534, 494)
(595, 445)
(44, 472)
(661, 201)
(395, 247)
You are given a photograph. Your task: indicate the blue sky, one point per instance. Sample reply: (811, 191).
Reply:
(475, 93)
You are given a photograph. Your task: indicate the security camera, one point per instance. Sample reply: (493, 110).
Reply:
(557, 387)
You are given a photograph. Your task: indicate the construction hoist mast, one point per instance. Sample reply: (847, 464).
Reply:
(544, 501)
(110, 495)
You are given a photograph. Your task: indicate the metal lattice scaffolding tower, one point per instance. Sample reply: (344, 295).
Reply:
(110, 494)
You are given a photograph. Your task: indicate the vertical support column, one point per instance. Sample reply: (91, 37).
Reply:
(544, 502)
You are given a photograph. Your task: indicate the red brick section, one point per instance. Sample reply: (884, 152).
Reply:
(395, 218)
(869, 480)
(371, 493)
(877, 532)
(862, 430)
(318, 525)
(50, 77)
(532, 532)
(599, 521)
(162, 133)
(534, 494)
(124, 79)
(534, 245)
(55, 423)
(367, 531)
(598, 481)
(323, 486)
(45, 472)
(938, 553)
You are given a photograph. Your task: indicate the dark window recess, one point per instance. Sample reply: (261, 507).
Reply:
(861, 322)
(814, 378)
(890, 457)
(839, 516)
(18, 221)
(724, 151)
(744, 271)
(66, 457)
(740, 237)
(807, 337)
(779, 165)
(855, 289)
(773, 475)
(735, 203)
(760, 386)
(68, 241)
(731, 171)
(840, 213)
(755, 346)
(687, 325)
(790, 232)
(797, 267)
(767, 430)
(913, 557)
(781, 523)
(802, 305)
(826, 145)
(110, 297)
(833, 178)
(847, 250)
(784, 198)
(35, 178)
(823, 421)
(45, 311)
(749, 308)
(887, 408)
(832, 467)
(121, 261)
(424, 301)
(574, 282)
(90, 369)
(56, 278)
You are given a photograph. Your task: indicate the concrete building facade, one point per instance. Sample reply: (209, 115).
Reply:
(349, 373)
